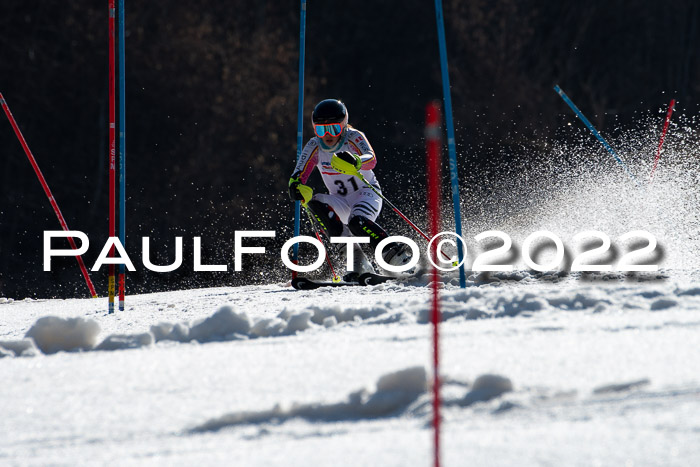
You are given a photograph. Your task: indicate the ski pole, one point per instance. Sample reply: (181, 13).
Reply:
(396, 210)
(590, 126)
(313, 224)
(45, 186)
(663, 136)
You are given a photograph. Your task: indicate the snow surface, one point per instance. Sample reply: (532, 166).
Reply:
(537, 371)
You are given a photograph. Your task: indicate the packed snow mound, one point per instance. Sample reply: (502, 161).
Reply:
(404, 392)
(53, 334)
(343, 314)
(393, 393)
(485, 388)
(499, 300)
(496, 299)
(408, 380)
(222, 325)
(18, 348)
(226, 324)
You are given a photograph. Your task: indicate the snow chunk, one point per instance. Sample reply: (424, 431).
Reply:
(162, 331)
(464, 295)
(125, 341)
(18, 348)
(394, 392)
(516, 305)
(330, 322)
(299, 321)
(268, 327)
(693, 291)
(663, 304)
(449, 311)
(179, 332)
(221, 325)
(619, 387)
(53, 334)
(579, 300)
(320, 313)
(485, 388)
(410, 380)
(226, 324)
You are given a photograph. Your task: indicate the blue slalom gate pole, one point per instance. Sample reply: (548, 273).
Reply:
(450, 136)
(300, 120)
(583, 118)
(122, 150)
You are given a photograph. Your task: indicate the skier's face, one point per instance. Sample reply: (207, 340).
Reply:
(330, 140)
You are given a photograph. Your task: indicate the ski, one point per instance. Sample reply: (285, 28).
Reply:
(369, 278)
(302, 283)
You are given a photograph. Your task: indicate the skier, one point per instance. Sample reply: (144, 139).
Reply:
(350, 208)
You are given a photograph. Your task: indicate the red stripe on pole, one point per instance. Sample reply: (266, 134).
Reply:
(328, 260)
(45, 186)
(663, 136)
(112, 151)
(432, 131)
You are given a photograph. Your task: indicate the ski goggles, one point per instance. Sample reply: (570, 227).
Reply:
(333, 129)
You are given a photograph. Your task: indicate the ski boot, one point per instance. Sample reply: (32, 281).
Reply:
(397, 254)
(360, 265)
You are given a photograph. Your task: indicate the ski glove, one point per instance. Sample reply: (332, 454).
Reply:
(346, 163)
(298, 191)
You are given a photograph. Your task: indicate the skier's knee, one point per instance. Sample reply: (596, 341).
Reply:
(327, 217)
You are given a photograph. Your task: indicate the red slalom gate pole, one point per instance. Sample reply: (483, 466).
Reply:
(663, 136)
(318, 237)
(112, 153)
(45, 186)
(432, 133)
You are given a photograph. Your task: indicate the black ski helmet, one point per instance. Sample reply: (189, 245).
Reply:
(330, 111)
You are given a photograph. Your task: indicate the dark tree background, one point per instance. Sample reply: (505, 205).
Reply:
(211, 91)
